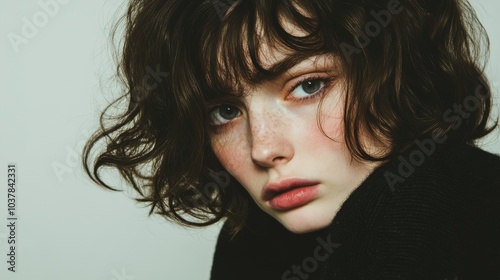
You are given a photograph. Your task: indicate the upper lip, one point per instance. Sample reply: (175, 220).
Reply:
(274, 188)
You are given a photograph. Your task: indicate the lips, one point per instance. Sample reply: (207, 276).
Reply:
(290, 193)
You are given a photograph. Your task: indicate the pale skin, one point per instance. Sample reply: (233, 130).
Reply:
(273, 133)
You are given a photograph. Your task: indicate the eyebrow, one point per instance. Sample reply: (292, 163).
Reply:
(275, 72)
(294, 67)
(283, 66)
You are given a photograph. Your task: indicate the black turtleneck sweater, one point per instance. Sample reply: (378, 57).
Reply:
(428, 214)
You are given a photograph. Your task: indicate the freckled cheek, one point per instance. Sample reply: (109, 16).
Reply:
(331, 125)
(230, 150)
(234, 157)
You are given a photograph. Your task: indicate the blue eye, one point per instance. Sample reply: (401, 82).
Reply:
(307, 88)
(223, 114)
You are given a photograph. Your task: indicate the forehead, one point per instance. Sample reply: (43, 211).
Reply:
(271, 51)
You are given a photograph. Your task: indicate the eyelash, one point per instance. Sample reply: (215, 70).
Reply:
(325, 80)
(326, 83)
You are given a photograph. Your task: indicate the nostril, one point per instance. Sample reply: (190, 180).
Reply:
(278, 159)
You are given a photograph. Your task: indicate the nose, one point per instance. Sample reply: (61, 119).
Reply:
(270, 143)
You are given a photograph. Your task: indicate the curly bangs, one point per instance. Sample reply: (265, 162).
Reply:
(406, 64)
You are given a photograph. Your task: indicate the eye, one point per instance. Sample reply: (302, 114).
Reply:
(307, 88)
(223, 114)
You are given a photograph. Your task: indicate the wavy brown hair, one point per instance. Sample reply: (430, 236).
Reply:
(406, 64)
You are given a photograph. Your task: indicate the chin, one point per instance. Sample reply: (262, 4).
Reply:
(304, 219)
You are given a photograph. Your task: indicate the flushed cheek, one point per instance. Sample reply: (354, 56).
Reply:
(232, 151)
(227, 152)
(332, 116)
(325, 138)
(234, 159)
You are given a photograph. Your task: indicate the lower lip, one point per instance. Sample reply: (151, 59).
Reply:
(294, 198)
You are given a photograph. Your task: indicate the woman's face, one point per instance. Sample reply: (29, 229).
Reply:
(271, 142)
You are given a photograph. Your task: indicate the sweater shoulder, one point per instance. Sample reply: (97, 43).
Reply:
(457, 166)
(450, 182)
(432, 211)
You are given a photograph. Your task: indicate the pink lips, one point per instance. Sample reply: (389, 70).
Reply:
(290, 193)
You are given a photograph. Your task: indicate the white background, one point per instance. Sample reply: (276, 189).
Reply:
(51, 92)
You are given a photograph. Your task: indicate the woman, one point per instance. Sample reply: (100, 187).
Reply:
(335, 138)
